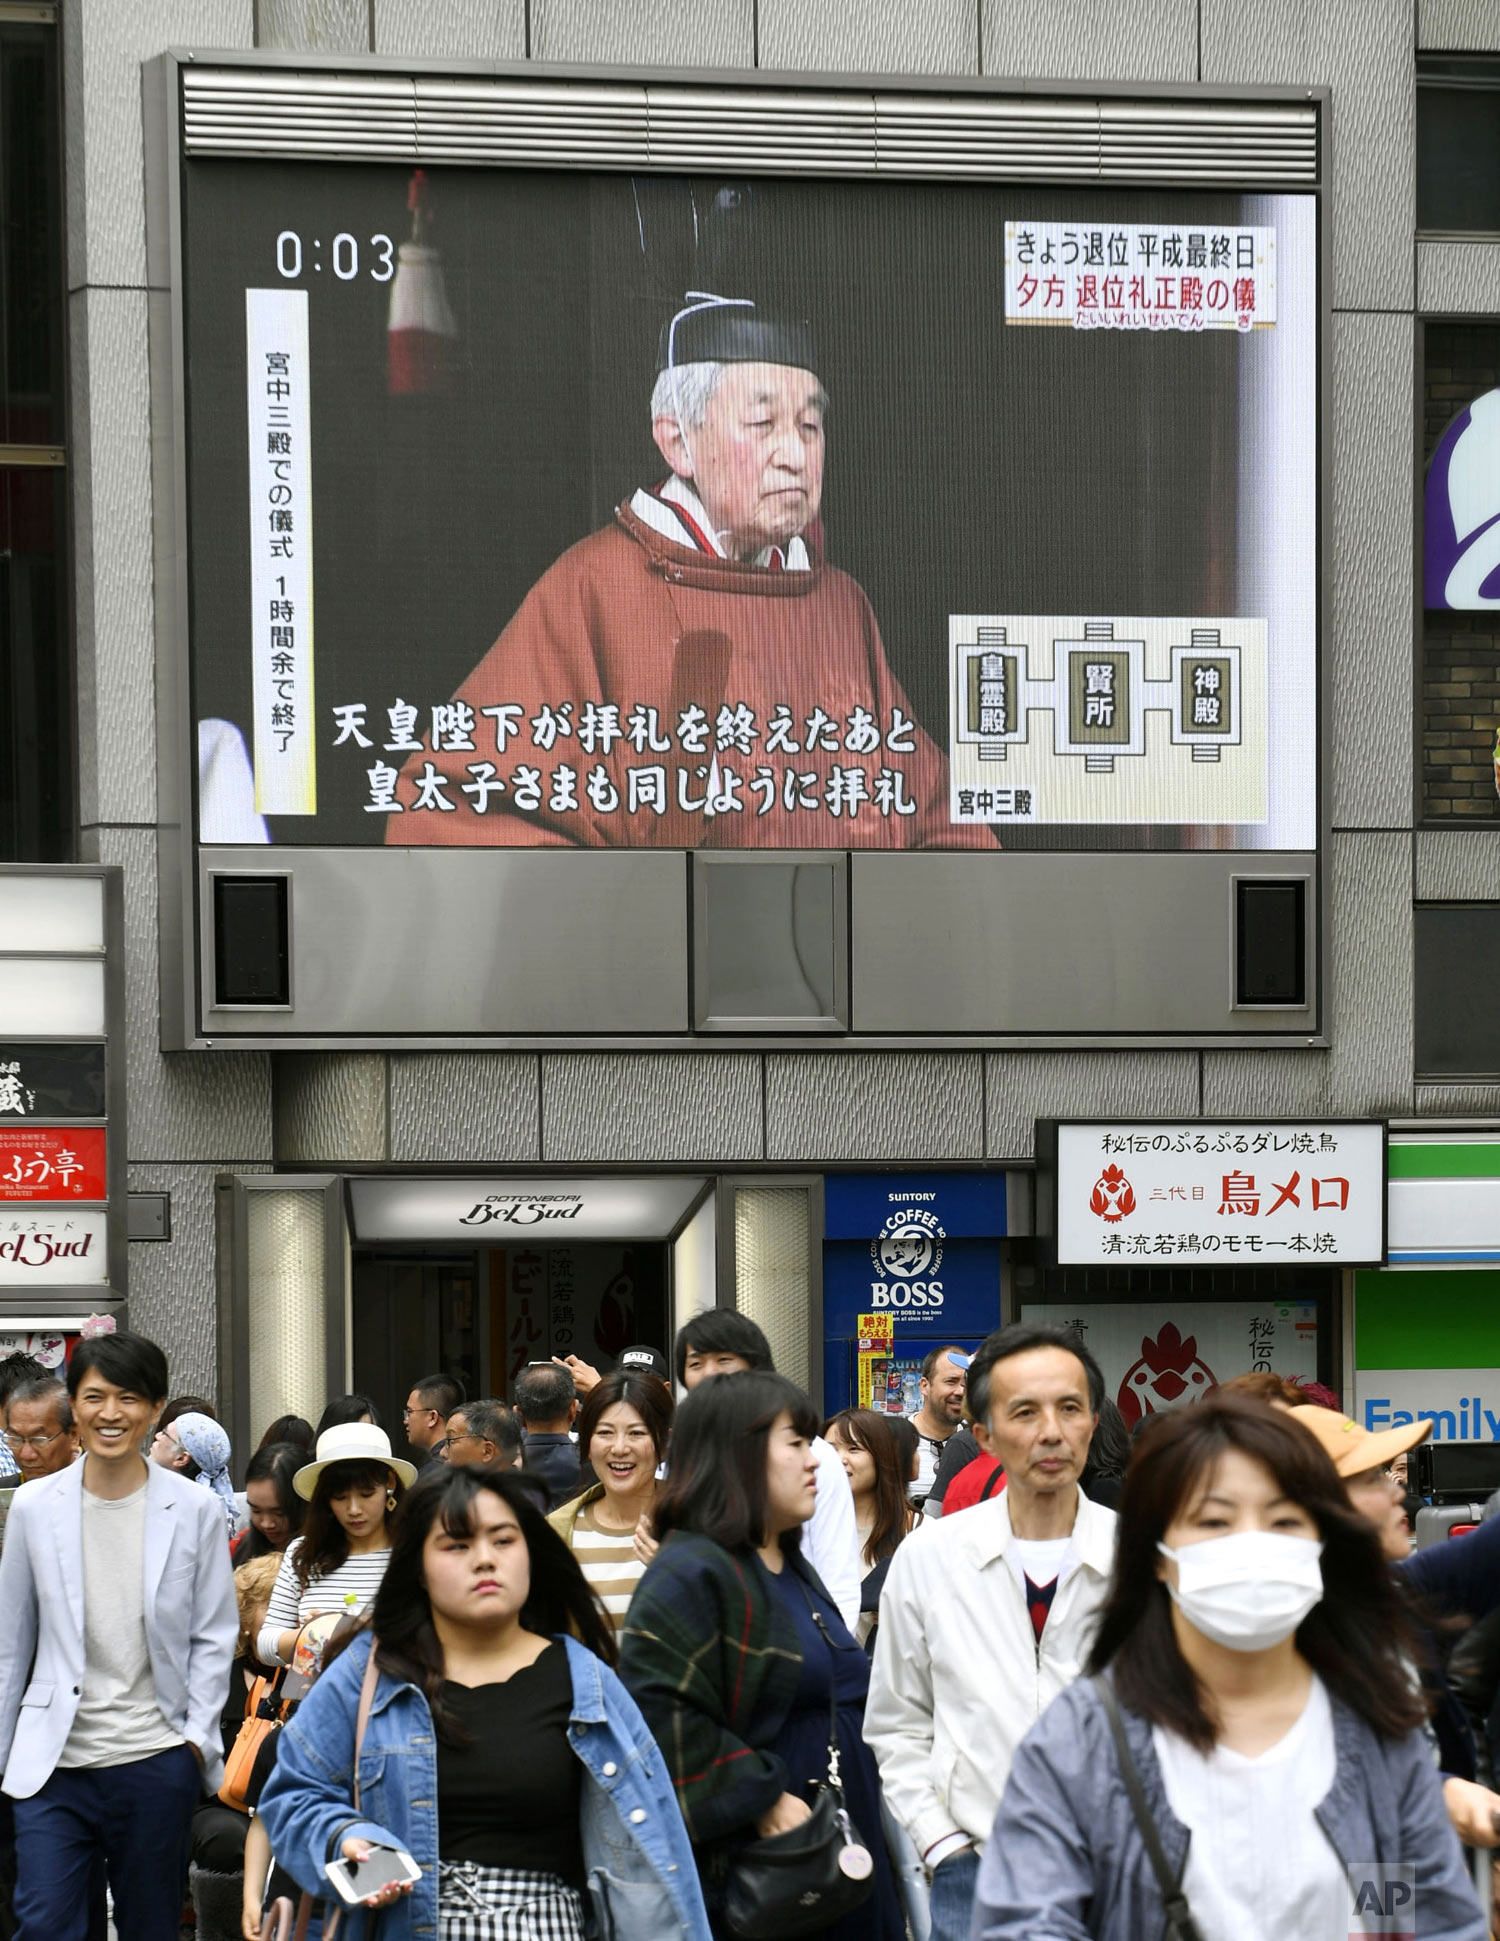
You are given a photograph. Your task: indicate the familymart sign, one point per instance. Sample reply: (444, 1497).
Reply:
(1427, 1331)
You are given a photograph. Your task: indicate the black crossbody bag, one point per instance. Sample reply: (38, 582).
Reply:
(1180, 1923)
(801, 1882)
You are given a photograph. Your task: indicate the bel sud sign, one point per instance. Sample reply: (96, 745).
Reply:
(60, 1246)
(1221, 1194)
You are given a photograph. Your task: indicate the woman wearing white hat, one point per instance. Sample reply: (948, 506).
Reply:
(353, 1487)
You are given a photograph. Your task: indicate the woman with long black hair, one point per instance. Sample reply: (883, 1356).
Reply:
(501, 1750)
(276, 1511)
(866, 1444)
(745, 1726)
(1251, 1673)
(352, 1491)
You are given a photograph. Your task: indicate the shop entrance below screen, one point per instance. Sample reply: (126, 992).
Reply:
(482, 1313)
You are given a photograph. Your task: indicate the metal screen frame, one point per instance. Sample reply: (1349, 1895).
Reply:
(524, 114)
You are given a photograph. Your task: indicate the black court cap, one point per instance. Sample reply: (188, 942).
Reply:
(650, 1361)
(734, 333)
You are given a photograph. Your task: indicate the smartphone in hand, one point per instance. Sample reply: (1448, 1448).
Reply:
(355, 1881)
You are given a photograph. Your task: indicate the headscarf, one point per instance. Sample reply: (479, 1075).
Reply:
(205, 1441)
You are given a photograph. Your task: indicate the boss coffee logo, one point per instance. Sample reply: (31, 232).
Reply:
(906, 1255)
(523, 1210)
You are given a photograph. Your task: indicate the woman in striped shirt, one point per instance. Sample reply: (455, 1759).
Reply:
(622, 1431)
(352, 1490)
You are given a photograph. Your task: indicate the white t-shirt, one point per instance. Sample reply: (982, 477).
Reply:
(929, 1455)
(1259, 1862)
(1040, 1558)
(119, 1717)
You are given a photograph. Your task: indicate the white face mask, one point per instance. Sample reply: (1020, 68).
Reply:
(1247, 1591)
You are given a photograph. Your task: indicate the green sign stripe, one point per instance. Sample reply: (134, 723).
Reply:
(1442, 1160)
(1427, 1319)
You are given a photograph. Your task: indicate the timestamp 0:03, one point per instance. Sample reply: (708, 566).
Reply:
(343, 256)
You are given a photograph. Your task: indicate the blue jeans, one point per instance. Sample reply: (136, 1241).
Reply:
(137, 1818)
(953, 1896)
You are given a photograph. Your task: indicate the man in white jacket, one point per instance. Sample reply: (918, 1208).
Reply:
(721, 1341)
(119, 1631)
(986, 1615)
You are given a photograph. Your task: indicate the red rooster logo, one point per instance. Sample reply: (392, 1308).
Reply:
(1170, 1370)
(1112, 1197)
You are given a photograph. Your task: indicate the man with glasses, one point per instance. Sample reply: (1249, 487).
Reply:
(14, 1369)
(432, 1400)
(39, 1428)
(485, 1434)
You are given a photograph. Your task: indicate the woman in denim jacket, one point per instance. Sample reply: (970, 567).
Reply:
(501, 1750)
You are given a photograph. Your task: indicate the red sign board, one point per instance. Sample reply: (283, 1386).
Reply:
(52, 1163)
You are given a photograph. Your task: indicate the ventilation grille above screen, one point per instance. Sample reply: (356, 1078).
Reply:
(590, 124)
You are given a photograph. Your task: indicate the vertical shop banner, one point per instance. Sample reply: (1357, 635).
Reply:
(279, 378)
(1268, 1195)
(1159, 1354)
(873, 1346)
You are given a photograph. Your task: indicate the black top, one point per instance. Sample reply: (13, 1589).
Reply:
(511, 1796)
(554, 1457)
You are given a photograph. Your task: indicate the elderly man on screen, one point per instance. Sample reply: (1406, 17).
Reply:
(696, 674)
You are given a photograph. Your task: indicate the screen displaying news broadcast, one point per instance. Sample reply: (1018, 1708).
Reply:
(594, 510)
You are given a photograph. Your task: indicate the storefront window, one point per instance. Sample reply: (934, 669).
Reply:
(36, 763)
(1458, 145)
(1457, 1011)
(1166, 1336)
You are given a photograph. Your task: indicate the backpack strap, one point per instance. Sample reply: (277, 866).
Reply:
(1179, 1917)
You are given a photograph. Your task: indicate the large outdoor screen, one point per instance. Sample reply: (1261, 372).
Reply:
(645, 512)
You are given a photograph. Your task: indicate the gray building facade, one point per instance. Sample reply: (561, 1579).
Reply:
(249, 1310)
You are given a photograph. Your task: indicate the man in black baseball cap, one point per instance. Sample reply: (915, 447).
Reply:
(650, 1361)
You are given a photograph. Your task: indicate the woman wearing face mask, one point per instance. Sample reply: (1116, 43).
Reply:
(622, 1432)
(1256, 1649)
(500, 1750)
(352, 1491)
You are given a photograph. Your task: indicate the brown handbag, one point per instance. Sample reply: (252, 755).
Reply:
(264, 1715)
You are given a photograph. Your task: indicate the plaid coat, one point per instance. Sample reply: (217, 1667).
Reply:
(712, 1660)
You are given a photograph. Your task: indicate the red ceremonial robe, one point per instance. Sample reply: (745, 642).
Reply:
(631, 620)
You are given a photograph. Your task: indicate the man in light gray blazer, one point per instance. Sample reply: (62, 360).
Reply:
(118, 1633)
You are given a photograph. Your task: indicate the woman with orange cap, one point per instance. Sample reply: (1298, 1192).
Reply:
(1456, 1579)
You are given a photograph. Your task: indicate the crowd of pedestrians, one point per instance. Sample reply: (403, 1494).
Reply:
(652, 1651)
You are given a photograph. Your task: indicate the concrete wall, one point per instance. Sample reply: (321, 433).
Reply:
(194, 1115)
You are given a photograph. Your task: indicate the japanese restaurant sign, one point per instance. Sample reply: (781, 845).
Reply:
(53, 1246)
(52, 1163)
(1221, 1194)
